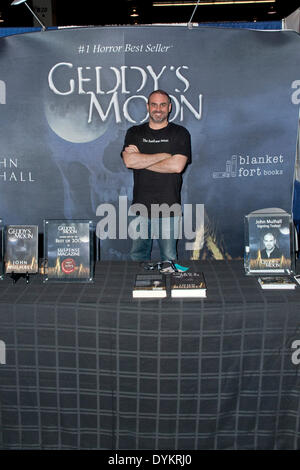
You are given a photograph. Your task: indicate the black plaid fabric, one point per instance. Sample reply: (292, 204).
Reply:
(88, 367)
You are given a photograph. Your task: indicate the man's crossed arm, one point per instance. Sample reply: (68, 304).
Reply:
(158, 162)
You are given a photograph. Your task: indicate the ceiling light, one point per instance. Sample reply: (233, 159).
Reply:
(134, 13)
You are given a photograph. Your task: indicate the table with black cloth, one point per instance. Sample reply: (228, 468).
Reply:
(88, 367)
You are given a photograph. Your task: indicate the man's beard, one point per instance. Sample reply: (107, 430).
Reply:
(158, 118)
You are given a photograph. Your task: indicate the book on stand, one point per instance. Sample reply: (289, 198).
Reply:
(277, 282)
(21, 249)
(149, 285)
(188, 284)
(269, 243)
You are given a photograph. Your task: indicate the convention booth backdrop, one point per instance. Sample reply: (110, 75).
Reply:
(68, 96)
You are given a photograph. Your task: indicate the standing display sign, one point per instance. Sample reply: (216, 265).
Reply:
(21, 250)
(68, 250)
(269, 242)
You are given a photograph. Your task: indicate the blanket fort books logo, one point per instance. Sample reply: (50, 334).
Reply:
(245, 166)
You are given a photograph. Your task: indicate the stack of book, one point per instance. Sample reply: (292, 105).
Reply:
(149, 285)
(180, 284)
(277, 282)
(188, 284)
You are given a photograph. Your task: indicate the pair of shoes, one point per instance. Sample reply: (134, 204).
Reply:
(165, 267)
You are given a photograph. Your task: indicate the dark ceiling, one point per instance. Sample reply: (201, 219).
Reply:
(117, 12)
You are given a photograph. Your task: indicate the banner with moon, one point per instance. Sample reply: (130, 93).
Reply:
(68, 96)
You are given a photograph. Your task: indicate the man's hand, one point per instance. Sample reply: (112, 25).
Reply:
(132, 149)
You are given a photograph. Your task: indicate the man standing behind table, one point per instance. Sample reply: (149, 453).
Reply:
(158, 152)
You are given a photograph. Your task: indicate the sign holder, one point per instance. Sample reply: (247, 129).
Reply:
(269, 243)
(68, 250)
(21, 251)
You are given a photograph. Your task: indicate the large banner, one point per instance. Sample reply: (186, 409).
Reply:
(68, 96)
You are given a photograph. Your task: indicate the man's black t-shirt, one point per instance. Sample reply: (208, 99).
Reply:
(151, 187)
